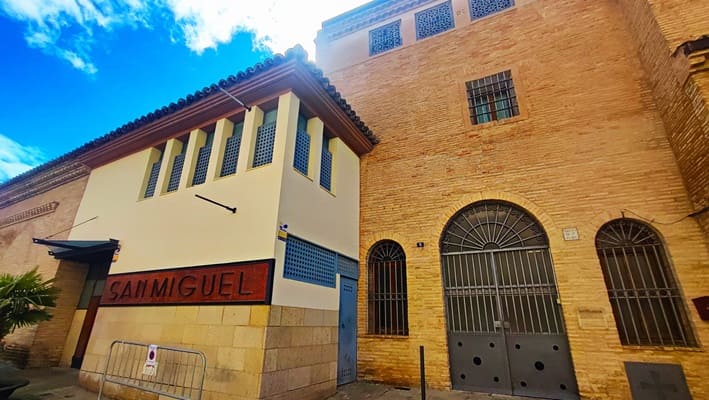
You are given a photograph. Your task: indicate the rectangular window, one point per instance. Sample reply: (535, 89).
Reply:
(302, 146)
(265, 137)
(177, 170)
(310, 263)
(326, 165)
(492, 98)
(385, 38)
(153, 179)
(231, 150)
(434, 20)
(200, 170)
(483, 8)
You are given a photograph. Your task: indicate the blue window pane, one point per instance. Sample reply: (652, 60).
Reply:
(302, 151)
(153, 179)
(385, 38)
(231, 150)
(176, 172)
(265, 136)
(434, 20)
(326, 166)
(482, 8)
(200, 172)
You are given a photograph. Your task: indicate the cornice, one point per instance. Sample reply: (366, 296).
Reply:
(42, 182)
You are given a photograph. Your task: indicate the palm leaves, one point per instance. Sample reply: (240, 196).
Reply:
(23, 300)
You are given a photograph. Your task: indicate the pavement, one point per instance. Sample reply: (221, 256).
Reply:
(61, 384)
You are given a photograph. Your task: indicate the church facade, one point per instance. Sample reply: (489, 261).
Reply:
(535, 215)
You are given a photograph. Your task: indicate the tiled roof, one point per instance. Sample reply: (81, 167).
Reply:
(296, 53)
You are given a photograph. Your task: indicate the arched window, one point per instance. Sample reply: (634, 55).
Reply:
(387, 301)
(647, 304)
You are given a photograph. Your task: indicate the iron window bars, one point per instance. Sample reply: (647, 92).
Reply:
(492, 98)
(387, 290)
(647, 304)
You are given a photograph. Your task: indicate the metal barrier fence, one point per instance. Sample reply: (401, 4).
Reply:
(163, 370)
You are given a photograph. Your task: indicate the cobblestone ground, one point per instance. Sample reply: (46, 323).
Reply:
(60, 384)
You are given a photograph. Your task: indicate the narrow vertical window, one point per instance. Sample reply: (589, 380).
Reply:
(176, 172)
(492, 98)
(387, 290)
(647, 304)
(385, 38)
(326, 165)
(153, 178)
(302, 146)
(231, 150)
(200, 171)
(265, 136)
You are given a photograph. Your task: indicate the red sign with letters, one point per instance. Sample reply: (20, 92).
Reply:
(249, 282)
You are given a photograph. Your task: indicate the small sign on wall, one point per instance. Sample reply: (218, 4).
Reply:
(150, 366)
(570, 233)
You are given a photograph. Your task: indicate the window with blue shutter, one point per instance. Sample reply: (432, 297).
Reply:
(265, 137)
(302, 146)
(326, 165)
(231, 150)
(310, 263)
(434, 20)
(483, 8)
(153, 179)
(200, 171)
(385, 38)
(177, 164)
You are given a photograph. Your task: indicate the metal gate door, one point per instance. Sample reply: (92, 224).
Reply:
(505, 329)
(347, 338)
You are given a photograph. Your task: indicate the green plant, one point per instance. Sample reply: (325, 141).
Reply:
(24, 300)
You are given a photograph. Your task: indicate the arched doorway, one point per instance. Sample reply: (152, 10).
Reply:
(505, 328)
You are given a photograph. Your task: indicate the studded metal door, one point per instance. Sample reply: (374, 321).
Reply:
(505, 329)
(347, 337)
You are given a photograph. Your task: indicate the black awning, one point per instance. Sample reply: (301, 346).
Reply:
(79, 250)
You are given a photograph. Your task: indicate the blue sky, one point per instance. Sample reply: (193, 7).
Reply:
(73, 70)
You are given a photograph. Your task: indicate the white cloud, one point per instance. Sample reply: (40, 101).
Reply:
(16, 158)
(276, 24)
(66, 28)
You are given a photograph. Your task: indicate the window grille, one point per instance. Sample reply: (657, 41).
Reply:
(326, 165)
(492, 98)
(231, 150)
(310, 263)
(265, 136)
(347, 267)
(153, 179)
(647, 305)
(482, 8)
(176, 170)
(302, 146)
(434, 20)
(200, 171)
(387, 298)
(385, 38)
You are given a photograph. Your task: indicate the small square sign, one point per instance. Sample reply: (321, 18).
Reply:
(570, 233)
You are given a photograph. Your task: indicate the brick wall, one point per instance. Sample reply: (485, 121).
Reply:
(589, 143)
(18, 254)
(659, 27)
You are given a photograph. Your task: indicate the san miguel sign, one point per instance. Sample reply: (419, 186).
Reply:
(248, 283)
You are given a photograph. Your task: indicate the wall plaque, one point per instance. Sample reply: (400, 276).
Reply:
(702, 304)
(246, 283)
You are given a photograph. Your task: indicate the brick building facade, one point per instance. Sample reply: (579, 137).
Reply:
(611, 127)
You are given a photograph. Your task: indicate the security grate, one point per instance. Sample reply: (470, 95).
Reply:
(492, 98)
(200, 171)
(387, 290)
(265, 136)
(176, 172)
(647, 304)
(231, 151)
(434, 20)
(307, 262)
(482, 8)
(302, 151)
(153, 179)
(326, 166)
(385, 38)
(347, 267)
